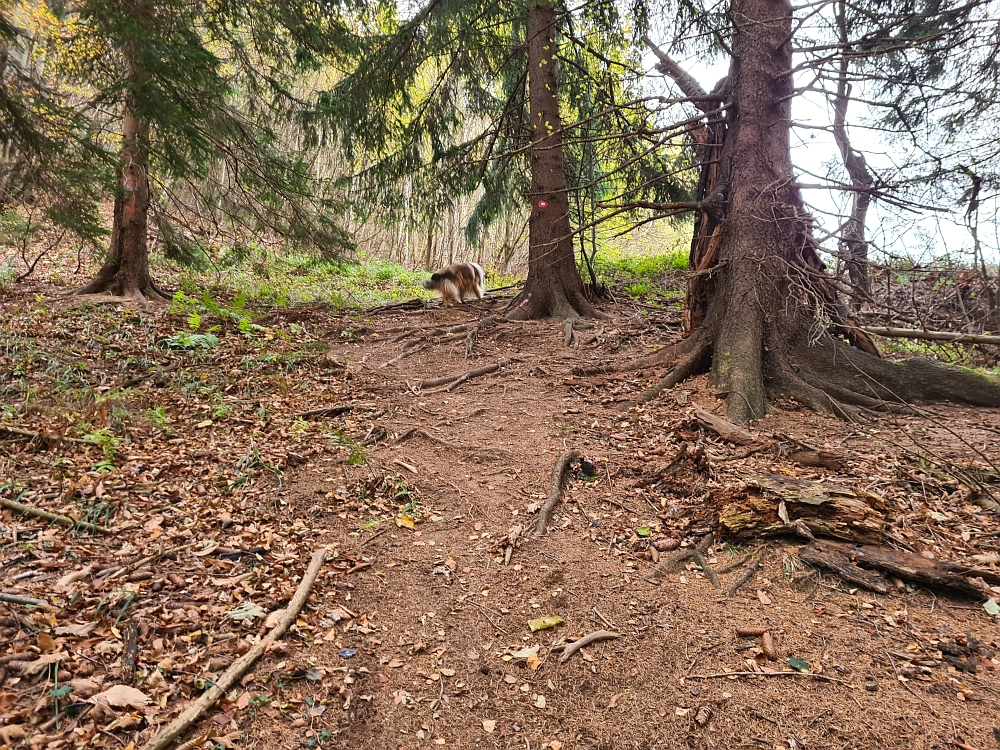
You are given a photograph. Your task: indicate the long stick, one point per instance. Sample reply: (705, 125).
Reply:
(449, 379)
(27, 600)
(241, 665)
(822, 677)
(42, 435)
(70, 523)
(909, 333)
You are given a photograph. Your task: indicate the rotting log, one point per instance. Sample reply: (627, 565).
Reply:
(858, 560)
(773, 505)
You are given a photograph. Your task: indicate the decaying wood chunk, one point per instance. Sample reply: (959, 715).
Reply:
(774, 505)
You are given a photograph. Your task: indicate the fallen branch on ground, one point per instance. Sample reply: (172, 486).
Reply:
(134, 566)
(42, 435)
(556, 487)
(236, 670)
(569, 649)
(724, 428)
(821, 677)
(70, 523)
(26, 600)
(450, 381)
(333, 411)
(747, 575)
(846, 560)
(948, 336)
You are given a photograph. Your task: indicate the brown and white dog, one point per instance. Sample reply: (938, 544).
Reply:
(458, 281)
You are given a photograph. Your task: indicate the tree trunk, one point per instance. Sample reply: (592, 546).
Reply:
(852, 243)
(766, 330)
(126, 271)
(553, 287)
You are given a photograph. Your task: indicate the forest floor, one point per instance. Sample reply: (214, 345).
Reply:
(194, 444)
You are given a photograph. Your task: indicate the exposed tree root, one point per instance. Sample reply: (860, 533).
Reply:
(670, 563)
(571, 648)
(667, 356)
(469, 449)
(694, 362)
(556, 487)
(451, 381)
(116, 284)
(66, 521)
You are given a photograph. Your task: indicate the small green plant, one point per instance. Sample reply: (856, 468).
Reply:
(357, 456)
(184, 340)
(159, 420)
(108, 441)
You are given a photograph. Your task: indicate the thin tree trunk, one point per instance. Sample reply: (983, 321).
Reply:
(553, 287)
(852, 242)
(126, 271)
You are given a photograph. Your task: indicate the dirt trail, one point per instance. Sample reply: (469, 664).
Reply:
(437, 658)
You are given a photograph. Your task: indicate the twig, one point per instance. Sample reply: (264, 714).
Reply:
(822, 677)
(134, 566)
(487, 616)
(30, 510)
(954, 338)
(229, 678)
(598, 635)
(333, 411)
(555, 489)
(26, 600)
(911, 690)
(42, 435)
(473, 450)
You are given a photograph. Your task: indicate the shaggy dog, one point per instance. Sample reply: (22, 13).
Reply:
(457, 282)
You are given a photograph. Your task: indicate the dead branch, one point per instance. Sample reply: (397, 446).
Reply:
(821, 677)
(953, 338)
(41, 435)
(598, 635)
(743, 578)
(134, 566)
(450, 381)
(846, 560)
(470, 449)
(333, 411)
(701, 562)
(26, 600)
(556, 486)
(70, 523)
(130, 637)
(229, 678)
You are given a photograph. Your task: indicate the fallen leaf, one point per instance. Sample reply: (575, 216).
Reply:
(121, 696)
(46, 642)
(991, 607)
(615, 700)
(524, 653)
(41, 663)
(764, 598)
(489, 725)
(543, 623)
(406, 520)
(797, 662)
(81, 630)
(540, 701)
(534, 662)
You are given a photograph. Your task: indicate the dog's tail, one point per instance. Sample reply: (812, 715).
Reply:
(434, 281)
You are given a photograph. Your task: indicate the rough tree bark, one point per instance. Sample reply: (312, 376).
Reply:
(771, 327)
(553, 287)
(125, 272)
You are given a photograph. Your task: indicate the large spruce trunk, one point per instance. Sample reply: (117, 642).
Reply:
(553, 287)
(767, 320)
